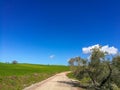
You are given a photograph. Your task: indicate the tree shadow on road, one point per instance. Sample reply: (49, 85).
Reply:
(73, 84)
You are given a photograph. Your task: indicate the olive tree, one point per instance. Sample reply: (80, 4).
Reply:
(98, 68)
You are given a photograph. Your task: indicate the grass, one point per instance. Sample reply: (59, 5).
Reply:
(70, 75)
(19, 76)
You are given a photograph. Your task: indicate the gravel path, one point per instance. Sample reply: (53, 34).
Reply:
(57, 82)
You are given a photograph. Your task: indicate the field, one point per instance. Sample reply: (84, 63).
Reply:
(18, 76)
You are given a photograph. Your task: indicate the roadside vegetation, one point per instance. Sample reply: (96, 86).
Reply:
(100, 72)
(18, 76)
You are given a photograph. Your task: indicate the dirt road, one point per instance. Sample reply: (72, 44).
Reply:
(57, 82)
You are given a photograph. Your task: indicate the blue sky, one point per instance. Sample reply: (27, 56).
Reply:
(52, 31)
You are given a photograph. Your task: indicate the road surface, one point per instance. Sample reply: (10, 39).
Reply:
(58, 82)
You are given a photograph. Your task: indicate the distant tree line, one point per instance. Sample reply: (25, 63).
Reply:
(99, 72)
(13, 62)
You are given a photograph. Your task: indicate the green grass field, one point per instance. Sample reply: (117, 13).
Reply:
(18, 76)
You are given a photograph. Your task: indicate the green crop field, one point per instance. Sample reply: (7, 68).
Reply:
(18, 76)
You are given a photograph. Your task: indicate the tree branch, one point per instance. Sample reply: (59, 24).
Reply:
(107, 78)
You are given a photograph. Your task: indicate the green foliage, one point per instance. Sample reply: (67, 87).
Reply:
(18, 76)
(98, 73)
(116, 62)
(116, 70)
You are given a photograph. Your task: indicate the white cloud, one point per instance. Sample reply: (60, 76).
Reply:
(110, 50)
(51, 56)
(87, 50)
